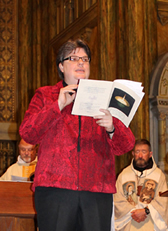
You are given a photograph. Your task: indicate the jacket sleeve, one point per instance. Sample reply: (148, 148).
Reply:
(123, 139)
(39, 117)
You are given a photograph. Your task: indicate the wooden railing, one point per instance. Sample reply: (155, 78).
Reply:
(69, 10)
(17, 209)
(81, 26)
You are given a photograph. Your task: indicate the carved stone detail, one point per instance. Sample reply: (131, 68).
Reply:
(162, 11)
(163, 84)
(162, 98)
(159, 109)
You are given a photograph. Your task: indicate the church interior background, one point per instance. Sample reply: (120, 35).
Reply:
(128, 40)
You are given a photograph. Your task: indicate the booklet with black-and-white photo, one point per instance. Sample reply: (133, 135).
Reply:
(121, 97)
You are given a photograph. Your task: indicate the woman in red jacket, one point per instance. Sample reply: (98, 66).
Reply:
(75, 174)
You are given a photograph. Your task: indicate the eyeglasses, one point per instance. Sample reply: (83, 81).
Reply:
(85, 59)
(26, 149)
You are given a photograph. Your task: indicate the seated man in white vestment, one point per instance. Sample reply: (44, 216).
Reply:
(24, 168)
(137, 203)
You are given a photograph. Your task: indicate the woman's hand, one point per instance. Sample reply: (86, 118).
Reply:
(66, 96)
(105, 120)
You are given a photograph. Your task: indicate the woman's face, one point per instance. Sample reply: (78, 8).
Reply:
(75, 70)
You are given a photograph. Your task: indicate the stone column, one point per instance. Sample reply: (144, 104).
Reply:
(163, 165)
(162, 139)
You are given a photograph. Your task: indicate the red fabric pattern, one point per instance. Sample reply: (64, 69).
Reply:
(59, 163)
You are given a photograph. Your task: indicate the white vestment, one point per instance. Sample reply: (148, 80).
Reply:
(20, 171)
(151, 182)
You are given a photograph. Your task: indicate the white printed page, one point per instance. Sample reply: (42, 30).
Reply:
(92, 95)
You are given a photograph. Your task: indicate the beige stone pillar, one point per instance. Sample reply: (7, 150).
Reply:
(163, 165)
(162, 139)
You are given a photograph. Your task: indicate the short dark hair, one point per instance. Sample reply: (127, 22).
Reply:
(67, 48)
(142, 141)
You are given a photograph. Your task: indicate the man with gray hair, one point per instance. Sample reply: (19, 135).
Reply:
(25, 166)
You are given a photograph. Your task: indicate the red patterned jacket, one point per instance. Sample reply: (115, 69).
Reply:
(74, 153)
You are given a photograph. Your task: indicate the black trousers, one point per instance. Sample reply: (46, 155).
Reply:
(68, 210)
